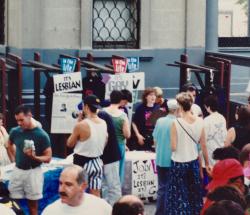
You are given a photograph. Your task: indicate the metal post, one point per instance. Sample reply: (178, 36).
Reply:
(183, 71)
(37, 57)
(3, 88)
(248, 17)
(212, 25)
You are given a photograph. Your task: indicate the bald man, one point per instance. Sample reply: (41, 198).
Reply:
(128, 204)
(73, 199)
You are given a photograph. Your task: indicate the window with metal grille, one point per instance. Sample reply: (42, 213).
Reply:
(2, 5)
(116, 24)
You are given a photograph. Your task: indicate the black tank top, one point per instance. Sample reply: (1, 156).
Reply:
(242, 137)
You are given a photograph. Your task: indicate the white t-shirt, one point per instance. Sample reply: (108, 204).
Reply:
(91, 205)
(196, 110)
(4, 210)
(216, 132)
(187, 149)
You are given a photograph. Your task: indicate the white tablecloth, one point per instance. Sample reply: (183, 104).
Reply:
(54, 163)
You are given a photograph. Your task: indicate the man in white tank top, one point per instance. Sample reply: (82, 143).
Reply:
(88, 139)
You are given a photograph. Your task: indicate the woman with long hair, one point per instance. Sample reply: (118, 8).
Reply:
(4, 158)
(142, 124)
(239, 135)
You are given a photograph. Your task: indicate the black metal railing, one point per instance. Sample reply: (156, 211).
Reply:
(240, 75)
(234, 42)
(116, 24)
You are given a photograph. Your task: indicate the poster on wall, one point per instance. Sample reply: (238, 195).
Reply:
(68, 64)
(69, 82)
(64, 112)
(120, 65)
(133, 64)
(144, 178)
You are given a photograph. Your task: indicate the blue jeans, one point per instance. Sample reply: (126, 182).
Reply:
(111, 186)
(163, 181)
(122, 149)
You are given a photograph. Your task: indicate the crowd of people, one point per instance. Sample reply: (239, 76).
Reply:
(202, 167)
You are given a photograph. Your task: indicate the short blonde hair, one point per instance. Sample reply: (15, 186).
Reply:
(185, 100)
(159, 92)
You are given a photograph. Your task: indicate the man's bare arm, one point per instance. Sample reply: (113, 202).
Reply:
(11, 150)
(45, 158)
(71, 142)
(80, 132)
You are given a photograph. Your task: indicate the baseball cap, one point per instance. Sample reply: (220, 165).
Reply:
(189, 87)
(172, 104)
(92, 101)
(223, 171)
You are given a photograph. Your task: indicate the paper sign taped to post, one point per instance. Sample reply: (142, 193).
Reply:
(70, 82)
(65, 112)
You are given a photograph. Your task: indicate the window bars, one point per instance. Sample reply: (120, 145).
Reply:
(116, 24)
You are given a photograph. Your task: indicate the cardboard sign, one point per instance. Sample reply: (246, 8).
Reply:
(138, 80)
(70, 82)
(133, 64)
(118, 82)
(64, 112)
(144, 178)
(68, 64)
(120, 65)
(130, 81)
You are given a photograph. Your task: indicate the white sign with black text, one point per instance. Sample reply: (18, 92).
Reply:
(64, 112)
(130, 81)
(69, 82)
(144, 178)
